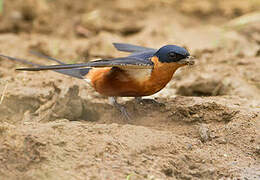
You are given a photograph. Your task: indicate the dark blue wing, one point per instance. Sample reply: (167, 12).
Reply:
(124, 62)
(131, 48)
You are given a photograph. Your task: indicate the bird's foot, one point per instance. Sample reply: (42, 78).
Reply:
(120, 108)
(124, 112)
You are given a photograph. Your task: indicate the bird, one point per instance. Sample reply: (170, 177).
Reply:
(144, 72)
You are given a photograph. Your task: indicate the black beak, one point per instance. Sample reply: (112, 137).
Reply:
(187, 61)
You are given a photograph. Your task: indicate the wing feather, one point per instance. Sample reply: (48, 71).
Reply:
(131, 48)
(125, 62)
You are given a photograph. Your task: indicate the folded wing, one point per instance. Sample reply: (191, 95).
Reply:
(124, 62)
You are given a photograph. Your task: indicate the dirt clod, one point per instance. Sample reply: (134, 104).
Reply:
(204, 133)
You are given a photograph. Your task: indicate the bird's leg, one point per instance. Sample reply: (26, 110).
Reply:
(138, 99)
(121, 108)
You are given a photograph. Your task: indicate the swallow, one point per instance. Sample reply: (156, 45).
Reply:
(144, 72)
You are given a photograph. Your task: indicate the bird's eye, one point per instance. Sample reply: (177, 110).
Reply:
(172, 55)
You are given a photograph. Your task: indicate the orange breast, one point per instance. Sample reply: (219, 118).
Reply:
(117, 82)
(161, 75)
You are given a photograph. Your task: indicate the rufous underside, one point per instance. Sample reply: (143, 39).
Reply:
(113, 81)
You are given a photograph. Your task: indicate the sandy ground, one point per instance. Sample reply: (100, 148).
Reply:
(206, 125)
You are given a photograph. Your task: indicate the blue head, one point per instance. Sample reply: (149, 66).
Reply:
(172, 53)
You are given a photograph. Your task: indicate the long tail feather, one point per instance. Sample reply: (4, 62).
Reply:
(46, 57)
(77, 73)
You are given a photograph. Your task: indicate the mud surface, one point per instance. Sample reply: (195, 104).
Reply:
(205, 126)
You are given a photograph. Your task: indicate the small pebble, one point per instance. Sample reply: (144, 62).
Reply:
(204, 132)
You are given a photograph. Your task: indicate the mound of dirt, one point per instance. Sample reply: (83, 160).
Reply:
(173, 146)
